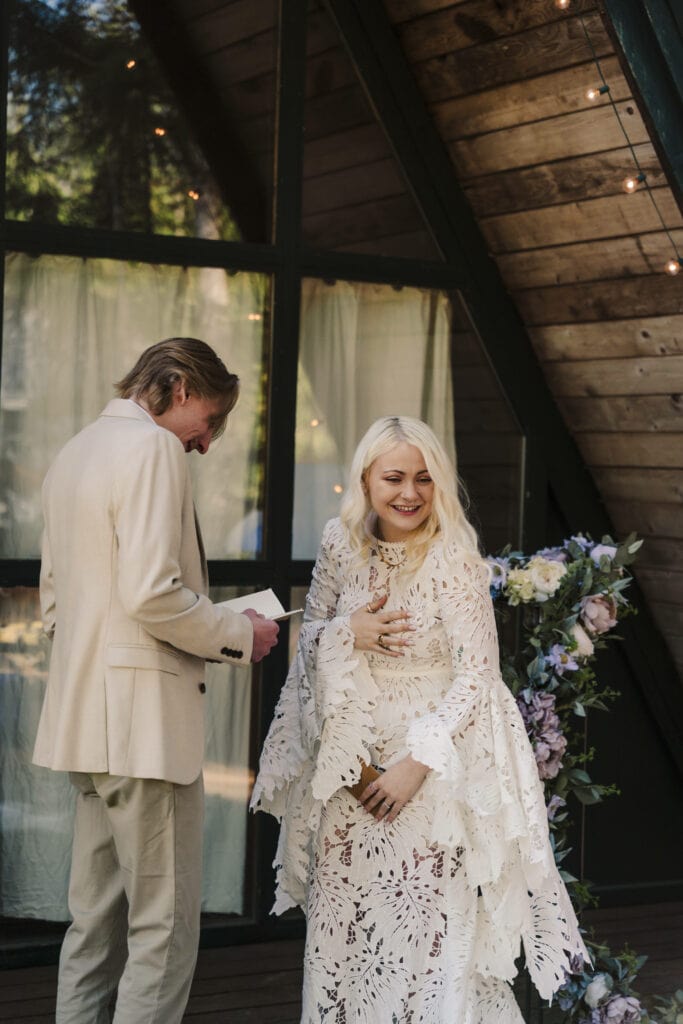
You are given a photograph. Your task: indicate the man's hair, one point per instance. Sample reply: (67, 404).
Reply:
(186, 361)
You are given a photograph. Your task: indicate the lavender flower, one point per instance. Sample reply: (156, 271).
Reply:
(553, 554)
(555, 804)
(579, 539)
(561, 660)
(544, 731)
(617, 1010)
(499, 572)
(602, 549)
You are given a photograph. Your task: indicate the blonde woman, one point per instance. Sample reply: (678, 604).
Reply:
(418, 892)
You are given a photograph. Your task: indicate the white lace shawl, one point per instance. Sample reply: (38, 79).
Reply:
(488, 798)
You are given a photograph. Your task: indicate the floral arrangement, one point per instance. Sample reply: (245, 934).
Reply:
(570, 598)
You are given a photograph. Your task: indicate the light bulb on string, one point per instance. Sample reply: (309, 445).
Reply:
(315, 423)
(130, 64)
(595, 92)
(193, 194)
(338, 489)
(673, 266)
(160, 132)
(632, 183)
(563, 5)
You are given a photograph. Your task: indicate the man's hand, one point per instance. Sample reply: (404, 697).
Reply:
(265, 634)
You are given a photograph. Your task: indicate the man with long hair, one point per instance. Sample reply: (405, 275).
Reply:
(123, 594)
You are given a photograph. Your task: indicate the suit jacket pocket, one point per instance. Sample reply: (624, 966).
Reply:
(143, 656)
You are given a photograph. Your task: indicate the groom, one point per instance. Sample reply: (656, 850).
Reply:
(123, 593)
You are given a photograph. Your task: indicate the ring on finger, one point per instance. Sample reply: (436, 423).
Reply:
(369, 608)
(382, 641)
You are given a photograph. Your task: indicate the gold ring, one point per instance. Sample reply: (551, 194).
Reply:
(369, 608)
(382, 642)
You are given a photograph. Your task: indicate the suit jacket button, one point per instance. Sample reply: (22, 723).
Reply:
(230, 653)
(201, 687)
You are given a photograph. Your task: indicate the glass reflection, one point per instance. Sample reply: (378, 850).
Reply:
(95, 136)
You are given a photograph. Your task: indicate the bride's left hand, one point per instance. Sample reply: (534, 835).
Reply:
(387, 795)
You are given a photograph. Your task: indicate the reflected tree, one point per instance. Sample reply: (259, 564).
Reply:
(94, 135)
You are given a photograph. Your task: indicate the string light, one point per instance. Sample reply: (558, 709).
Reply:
(563, 5)
(315, 423)
(160, 132)
(193, 194)
(632, 183)
(338, 489)
(253, 316)
(595, 93)
(130, 64)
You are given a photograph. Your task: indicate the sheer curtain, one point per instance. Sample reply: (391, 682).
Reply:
(72, 327)
(366, 351)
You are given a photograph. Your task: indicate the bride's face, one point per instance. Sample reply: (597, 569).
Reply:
(400, 490)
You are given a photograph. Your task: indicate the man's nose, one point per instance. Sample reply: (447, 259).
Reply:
(203, 442)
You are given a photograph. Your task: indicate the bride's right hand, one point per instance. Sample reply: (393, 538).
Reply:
(370, 625)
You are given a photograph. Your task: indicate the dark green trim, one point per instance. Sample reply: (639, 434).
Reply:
(648, 37)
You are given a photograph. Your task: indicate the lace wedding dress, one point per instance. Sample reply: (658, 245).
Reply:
(419, 921)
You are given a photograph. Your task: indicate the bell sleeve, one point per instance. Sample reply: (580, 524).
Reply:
(322, 724)
(489, 800)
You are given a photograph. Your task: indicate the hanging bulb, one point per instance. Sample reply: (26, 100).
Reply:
(130, 64)
(160, 132)
(673, 266)
(193, 194)
(631, 183)
(562, 5)
(315, 423)
(594, 92)
(338, 489)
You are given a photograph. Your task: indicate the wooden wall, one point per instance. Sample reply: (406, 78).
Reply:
(542, 167)
(505, 81)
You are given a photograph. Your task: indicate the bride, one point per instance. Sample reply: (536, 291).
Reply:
(418, 890)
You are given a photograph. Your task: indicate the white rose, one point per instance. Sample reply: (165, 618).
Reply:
(584, 644)
(545, 576)
(599, 987)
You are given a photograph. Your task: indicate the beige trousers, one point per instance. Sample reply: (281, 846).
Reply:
(134, 896)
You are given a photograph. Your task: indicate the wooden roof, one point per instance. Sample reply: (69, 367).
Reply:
(542, 168)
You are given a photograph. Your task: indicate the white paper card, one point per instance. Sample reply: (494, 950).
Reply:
(263, 601)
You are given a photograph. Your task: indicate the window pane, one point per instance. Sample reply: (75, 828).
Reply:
(96, 136)
(355, 197)
(366, 351)
(73, 327)
(36, 806)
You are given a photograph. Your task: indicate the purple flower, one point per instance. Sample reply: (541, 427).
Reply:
(544, 731)
(622, 1010)
(553, 554)
(555, 804)
(602, 549)
(561, 660)
(579, 539)
(499, 571)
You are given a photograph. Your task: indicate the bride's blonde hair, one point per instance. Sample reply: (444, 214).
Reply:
(447, 519)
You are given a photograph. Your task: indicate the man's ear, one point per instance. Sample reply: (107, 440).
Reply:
(180, 394)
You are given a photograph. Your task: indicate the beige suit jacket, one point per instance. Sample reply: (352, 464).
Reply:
(123, 593)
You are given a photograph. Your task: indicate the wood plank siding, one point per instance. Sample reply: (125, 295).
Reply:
(542, 168)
